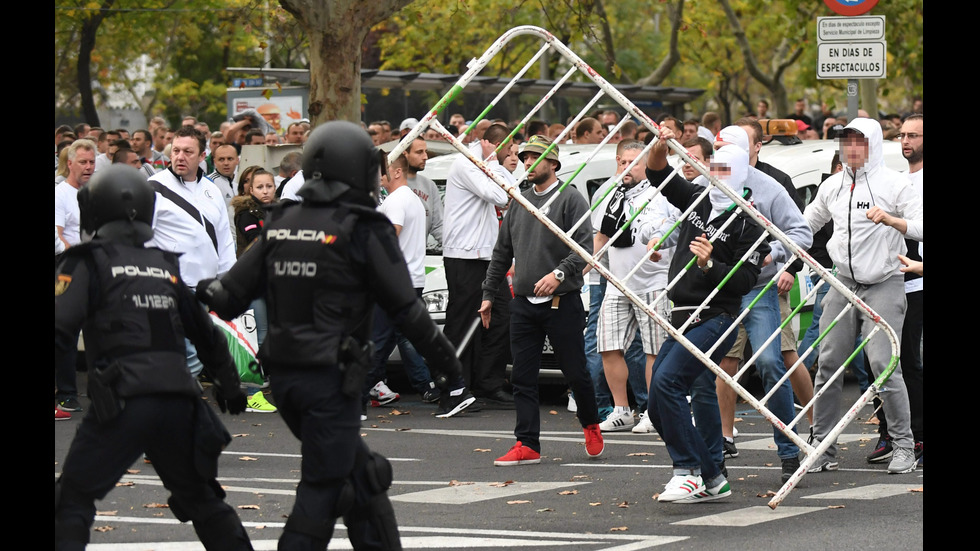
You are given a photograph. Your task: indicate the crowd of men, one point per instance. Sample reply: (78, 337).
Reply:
(512, 283)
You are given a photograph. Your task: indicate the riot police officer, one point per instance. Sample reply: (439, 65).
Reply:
(135, 312)
(322, 265)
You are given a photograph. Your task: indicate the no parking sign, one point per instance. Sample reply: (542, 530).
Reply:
(851, 7)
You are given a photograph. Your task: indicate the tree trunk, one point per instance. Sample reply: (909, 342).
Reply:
(84, 68)
(336, 29)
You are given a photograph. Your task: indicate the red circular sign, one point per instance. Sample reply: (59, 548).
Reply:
(850, 7)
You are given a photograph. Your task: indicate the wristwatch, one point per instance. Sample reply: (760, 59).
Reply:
(707, 267)
(559, 275)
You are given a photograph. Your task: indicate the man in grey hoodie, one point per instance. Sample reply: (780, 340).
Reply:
(874, 209)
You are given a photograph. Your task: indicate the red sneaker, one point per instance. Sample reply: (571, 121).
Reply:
(518, 455)
(61, 415)
(593, 441)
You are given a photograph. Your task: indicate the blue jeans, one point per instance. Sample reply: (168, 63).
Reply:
(636, 360)
(385, 337)
(763, 320)
(593, 360)
(674, 373)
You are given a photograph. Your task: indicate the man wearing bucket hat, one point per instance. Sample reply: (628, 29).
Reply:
(547, 279)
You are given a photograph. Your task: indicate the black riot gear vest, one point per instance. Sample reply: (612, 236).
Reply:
(316, 290)
(135, 320)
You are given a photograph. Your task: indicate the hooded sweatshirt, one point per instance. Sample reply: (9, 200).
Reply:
(728, 246)
(862, 250)
(776, 204)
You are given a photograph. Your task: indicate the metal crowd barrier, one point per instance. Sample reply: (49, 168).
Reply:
(577, 65)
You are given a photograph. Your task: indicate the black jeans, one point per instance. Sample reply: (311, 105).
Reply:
(564, 327)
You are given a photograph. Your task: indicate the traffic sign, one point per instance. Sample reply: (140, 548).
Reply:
(850, 7)
(850, 29)
(851, 47)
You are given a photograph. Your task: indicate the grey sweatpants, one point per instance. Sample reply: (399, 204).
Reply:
(888, 300)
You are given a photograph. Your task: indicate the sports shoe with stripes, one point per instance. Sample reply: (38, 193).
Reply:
(681, 487)
(258, 404)
(617, 421)
(720, 490)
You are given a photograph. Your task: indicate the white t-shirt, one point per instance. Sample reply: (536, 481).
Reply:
(651, 275)
(405, 209)
(291, 186)
(66, 212)
(915, 178)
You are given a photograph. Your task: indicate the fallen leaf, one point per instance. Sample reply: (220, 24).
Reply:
(401, 430)
(639, 453)
(398, 412)
(481, 449)
(103, 528)
(248, 506)
(595, 503)
(581, 476)
(501, 484)
(624, 505)
(247, 458)
(260, 527)
(619, 529)
(106, 513)
(769, 493)
(545, 510)
(156, 506)
(125, 484)
(751, 476)
(835, 506)
(919, 489)
(518, 501)
(553, 412)
(132, 471)
(239, 435)
(656, 495)
(458, 483)
(568, 492)
(374, 426)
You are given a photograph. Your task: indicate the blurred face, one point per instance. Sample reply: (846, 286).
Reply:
(854, 148)
(636, 174)
(690, 131)
(432, 134)
(139, 143)
(761, 109)
(133, 160)
(672, 125)
(510, 162)
(690, 172)
(294, 134)
(457, 120)
(225, 160)
(911, 136)
(800, 106)
(543, 173)
(160, 139)
(417, 155)
(828, 124)
(80, 168)
(271, 139)
(263, 188)
(216, 143)
(185, 156)
(257, 140)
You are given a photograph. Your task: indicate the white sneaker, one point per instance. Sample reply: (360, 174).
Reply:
(572, 406)
(681, 487)
(645, 425)
(617, 421)
(381, 394)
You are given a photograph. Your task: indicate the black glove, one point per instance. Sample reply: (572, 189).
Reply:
(233, 401)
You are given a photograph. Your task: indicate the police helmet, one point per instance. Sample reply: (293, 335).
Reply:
(340, 160)
(117, 204)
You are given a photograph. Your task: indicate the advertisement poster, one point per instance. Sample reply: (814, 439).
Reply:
(278, 111)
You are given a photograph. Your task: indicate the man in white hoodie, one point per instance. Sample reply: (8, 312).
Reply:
(469, 232)
(873, 209)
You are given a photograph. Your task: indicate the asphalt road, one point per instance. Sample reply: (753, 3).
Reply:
(448, 494)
